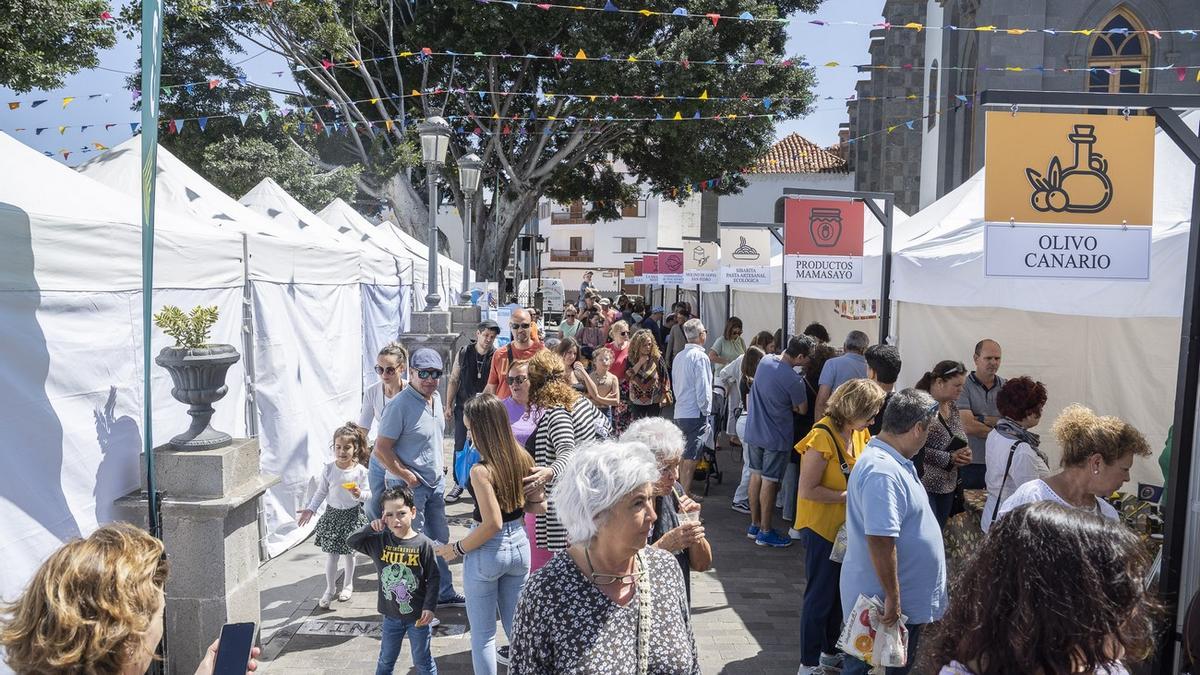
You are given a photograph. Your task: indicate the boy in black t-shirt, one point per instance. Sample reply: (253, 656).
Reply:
(408, 580)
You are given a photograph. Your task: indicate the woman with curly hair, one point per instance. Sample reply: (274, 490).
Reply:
(1013, 456)
(569, 420)
(647, 384)
(1097, 453)
(95, 607)
(1052, 590)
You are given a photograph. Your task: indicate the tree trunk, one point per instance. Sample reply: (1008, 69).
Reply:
(494, 236)
(408, 206)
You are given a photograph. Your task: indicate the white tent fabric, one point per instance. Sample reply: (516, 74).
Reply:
(70, 321)
(307, 327)
(380, 270)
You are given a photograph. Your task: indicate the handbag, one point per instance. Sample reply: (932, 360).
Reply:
(1007, 467)
(463, 461)
(838, 553)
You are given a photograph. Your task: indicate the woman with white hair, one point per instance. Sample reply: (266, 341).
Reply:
(608, 601)
(678, 527)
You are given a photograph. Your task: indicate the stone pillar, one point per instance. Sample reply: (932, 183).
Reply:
(433, 330)
(464, 320)
(211, 534)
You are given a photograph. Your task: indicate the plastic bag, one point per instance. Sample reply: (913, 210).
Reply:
(866, 638)
(463, 461)
(838, 554)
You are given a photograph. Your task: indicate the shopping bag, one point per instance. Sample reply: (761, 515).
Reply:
(838, 553)
(463, 461)
(866, 638)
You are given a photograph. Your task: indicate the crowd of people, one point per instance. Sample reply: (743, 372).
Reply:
(578, 452)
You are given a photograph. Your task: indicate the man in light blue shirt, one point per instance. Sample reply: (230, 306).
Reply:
(851, 365)
(409, 447)
(692, 385)
(777, 394)
(894, 548)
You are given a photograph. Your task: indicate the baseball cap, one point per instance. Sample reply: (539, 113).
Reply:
(657, 309)
(425, 359)
(488, 324)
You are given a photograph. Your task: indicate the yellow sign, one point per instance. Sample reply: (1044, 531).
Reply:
(1069, 169)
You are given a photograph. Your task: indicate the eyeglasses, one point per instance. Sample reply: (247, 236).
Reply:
(519, 326)
(572, 314)
(390, 370)
(429, 374)
(517, 379)
(623, 333)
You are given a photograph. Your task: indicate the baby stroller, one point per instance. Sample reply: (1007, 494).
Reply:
(706, 468)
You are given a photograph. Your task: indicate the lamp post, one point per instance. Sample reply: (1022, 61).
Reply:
(540, 245)
(435, 140)
(469, 170)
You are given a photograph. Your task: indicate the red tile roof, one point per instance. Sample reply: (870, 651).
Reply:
(797, 154)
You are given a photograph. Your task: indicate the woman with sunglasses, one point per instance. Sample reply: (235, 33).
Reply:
(570, 325)
(391, 365)
(946, 448)
(727, 347)
(618, 333)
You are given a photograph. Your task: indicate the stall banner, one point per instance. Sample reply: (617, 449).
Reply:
(650, 269)
(1068, 196)
(630, 275)
(823, 240)
(670, 266)
(639, 273)
(746, 257)
(701, 263)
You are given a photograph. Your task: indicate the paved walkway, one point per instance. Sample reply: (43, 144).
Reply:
(745, 610)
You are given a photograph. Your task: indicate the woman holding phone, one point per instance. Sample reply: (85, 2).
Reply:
(946, 449)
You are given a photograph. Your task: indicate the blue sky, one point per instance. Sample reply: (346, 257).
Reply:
(818, 44)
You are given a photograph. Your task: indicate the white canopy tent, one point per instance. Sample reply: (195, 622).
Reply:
(307, 325)
(1111, 345)
(380, 270)
(70, 301)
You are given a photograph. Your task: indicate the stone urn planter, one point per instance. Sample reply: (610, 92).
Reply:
(199, 377)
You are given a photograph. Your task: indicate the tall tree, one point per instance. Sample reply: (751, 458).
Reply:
(43, 41)
(543, 126)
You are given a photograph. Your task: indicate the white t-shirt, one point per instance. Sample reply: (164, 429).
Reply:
(1039, 491)
(330, 487)
(372, 408)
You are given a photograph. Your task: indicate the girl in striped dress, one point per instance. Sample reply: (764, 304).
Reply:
(569, 421)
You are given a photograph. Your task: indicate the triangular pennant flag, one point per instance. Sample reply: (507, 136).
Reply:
(38, 131)
(133, 126)
(14, 105)
(580, 55)
(242, 117)
(37, 103)
(213, 83)
(609, 6)
(679, 11)
(1155, 33)
(167, 90)
(388, 124)
(909, 124)
(262, 114)
(241, 80)
(658, 116)
(1180, 74)
(767, 103)
(645, 12)
(677, 116)
(714, 18)
(65, 153)
(109, 126)
(913, 25)
(100, 146)
(704, 95)
(746, 16)
(62, 130)
(171, 127)
(67, 100)
(84, 128)
(326, 64)
(203, 122)
(696, 115)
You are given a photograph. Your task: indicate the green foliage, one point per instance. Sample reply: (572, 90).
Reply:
(189, 330)
(238, 164)
(43, 41)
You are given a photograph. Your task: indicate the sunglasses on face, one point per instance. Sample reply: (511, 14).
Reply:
(519, 326)
(429, 374)
(390, 370)
(572, 314)
(623, 333)
(953, 371)
(516, 379)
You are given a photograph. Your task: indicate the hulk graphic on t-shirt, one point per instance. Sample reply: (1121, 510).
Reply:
(401, 583)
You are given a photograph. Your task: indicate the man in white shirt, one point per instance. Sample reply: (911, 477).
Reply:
(692, 384)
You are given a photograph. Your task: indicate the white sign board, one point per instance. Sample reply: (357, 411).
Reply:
(746, 257)
(1063, 252)
(701, 262)
(825, 268)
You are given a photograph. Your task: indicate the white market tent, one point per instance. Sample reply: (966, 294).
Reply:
(70, 301)
(384, 302)
(306, 330)
(1111, 345)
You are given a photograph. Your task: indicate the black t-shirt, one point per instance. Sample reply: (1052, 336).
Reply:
(473, 372)
(408, 572)
(877, 425)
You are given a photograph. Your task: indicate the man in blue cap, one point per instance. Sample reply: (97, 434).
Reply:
(410, 448)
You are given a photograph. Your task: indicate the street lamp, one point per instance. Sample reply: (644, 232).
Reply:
(435, 140)
(540, 245)
(469, 170)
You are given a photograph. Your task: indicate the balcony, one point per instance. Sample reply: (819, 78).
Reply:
(568, 218)
(583, 255)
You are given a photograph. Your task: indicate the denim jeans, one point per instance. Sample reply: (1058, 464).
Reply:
(394, 631)
(493, 576)
(821, 615)
(430, 520)
(852, 666)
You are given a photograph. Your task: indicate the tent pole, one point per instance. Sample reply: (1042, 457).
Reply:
(885, 274)
(248, 340)
(699, 300)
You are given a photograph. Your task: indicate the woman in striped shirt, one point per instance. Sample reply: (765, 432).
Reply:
(569, 421)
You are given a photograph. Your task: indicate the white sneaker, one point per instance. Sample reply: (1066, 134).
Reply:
(323, 603)
(435, 622)
(346, 593)
(794, 533)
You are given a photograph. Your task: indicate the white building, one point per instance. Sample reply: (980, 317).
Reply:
(794, 162)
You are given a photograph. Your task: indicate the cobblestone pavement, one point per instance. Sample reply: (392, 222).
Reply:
(745, 610)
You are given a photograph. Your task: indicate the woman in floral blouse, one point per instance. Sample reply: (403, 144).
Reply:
(947, 448)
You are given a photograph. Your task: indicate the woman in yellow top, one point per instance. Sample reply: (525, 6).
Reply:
(827, 454)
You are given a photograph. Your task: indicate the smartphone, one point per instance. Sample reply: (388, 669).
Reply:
(233, 652)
